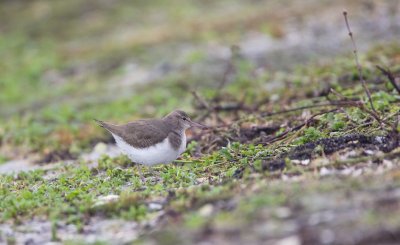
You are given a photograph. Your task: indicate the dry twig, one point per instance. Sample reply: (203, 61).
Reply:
(390, 76)
(210, 109)
(282, 135)
(355, 51)
(331, 103)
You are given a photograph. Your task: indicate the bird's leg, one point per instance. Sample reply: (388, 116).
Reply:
(140, 172)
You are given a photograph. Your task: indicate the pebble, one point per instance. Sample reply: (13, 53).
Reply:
(206, 210)
(101, 200)
(291, 240)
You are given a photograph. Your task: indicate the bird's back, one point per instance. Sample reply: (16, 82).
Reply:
(141, 133)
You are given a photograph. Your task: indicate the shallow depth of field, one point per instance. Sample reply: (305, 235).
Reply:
(299, 151)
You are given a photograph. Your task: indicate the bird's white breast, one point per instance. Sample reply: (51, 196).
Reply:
(162, 152)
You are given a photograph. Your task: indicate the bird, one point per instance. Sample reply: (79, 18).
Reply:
(152, 141)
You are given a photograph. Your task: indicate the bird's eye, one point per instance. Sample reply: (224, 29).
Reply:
(184, 119)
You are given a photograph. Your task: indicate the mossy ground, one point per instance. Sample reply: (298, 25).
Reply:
(260, 174)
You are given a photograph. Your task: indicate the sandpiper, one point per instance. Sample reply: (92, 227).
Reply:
(152, 141)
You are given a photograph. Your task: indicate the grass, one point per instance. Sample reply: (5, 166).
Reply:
(74, 192)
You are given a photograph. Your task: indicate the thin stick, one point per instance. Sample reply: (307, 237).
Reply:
(341, 96)
(202, 101)
(298, 127)
(364, 84)
(390, 76)
(331, 103)
(210, 108)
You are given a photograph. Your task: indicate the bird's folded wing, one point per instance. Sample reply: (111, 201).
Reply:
(143, 133)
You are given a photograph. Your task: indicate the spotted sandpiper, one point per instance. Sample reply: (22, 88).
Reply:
(152, 141)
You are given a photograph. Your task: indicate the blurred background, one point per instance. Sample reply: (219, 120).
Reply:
(66, 62)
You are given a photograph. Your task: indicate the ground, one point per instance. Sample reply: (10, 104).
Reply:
(297, 152)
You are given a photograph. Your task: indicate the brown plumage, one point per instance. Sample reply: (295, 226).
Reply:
(147, 132)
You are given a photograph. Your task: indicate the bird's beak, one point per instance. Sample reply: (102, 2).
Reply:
(198, 125)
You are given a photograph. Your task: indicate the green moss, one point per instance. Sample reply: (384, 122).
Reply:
(310, 134)
(382, 100)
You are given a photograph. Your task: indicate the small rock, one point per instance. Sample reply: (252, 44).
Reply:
(325, 171)
(274, 97)
(369, 152)
(302, 162)
(153, 206)
(379, 139)
(206, 210)
(291, 240)
(347, 171)
(283, 212)
(101, 200)
(100, 148)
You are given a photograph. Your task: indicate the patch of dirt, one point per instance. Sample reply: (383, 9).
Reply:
(58, 155)
(386, 143)
(247, 134)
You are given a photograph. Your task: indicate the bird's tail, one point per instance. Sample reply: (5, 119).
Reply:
(100, 123)
(108, 126)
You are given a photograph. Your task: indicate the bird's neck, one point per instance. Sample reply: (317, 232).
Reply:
(180, 132)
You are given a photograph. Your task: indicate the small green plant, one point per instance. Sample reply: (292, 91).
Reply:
(310, 134)
(382, 100)
(337, 121)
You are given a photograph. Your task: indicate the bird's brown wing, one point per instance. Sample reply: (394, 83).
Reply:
(141, 133)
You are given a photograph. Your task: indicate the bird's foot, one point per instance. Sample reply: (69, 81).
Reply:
(140, 173)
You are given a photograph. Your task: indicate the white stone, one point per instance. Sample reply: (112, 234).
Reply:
(283, 212)
(325, 171)
(291, 240)
(101, 200)
(100, 148)
(206, 210)
(155, 206)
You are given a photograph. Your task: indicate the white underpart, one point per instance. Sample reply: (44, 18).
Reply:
(162, 152)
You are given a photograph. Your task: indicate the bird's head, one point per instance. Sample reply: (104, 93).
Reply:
(180, 120)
